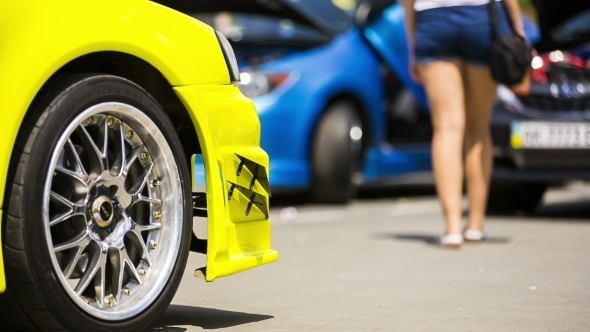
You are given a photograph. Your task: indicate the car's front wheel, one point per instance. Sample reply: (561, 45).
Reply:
(97, 215)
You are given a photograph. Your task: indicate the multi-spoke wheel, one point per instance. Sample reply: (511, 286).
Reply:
(99, 216)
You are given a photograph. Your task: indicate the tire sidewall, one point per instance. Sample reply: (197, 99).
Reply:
(333, 160)
(66, 107)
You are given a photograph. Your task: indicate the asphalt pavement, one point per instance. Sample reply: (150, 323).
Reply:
(374, 266)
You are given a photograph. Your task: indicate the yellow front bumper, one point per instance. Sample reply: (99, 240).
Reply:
(236, 170)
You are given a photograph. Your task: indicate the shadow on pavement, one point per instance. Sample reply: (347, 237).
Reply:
(429, 238)
(426, 238)
(206, 318)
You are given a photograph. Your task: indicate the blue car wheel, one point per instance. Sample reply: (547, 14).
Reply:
(336, 154)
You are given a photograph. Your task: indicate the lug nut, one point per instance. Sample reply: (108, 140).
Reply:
(111, 121)
(87, 301)
(127, 292)
(108, 302)
(130, 134)
(91, 119)
(157, 214)
(142, 272)
(153, 244)
(156, 183)
(144, 155)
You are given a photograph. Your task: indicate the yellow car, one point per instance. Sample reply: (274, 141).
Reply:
(105, 105)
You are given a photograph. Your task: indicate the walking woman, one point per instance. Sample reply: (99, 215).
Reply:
(450, 45)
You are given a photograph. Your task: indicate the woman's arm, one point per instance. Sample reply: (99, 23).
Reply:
(410, 14)
(514, 12)
(410, 28)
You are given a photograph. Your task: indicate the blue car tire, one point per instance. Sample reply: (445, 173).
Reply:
(336, 154)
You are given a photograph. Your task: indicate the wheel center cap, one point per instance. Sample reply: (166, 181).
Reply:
(102, 211)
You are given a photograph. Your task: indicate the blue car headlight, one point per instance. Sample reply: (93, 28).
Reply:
(256, 84)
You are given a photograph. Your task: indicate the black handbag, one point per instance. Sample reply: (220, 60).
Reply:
(510, 54)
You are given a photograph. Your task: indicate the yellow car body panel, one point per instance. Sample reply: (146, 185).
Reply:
(238, 230)
(2, 278)
(38, 37)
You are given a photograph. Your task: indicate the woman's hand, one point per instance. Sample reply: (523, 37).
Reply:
(409, 20)
(413, 69)
(514, 13)
(519, 29)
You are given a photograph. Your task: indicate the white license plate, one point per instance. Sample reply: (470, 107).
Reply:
(550, 135)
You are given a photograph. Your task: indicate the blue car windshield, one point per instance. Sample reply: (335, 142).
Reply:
(333, 15)
(327, 17)
(253, 29)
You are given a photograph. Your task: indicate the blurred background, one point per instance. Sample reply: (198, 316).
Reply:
(340, 115)
(528, 8)
(354, 212)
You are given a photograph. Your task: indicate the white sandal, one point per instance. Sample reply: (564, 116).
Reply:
(451, 240)
(474, 235)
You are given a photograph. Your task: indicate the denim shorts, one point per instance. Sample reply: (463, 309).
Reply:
(460, 32)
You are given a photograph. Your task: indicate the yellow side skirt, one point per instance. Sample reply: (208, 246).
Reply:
(2, 278)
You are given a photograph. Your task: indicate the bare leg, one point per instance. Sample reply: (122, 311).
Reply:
(444, 88)
(480, 91)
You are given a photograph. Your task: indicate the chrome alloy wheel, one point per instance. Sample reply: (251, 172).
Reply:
(113, 211)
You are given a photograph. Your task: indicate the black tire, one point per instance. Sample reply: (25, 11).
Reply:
(509, 198)
(35, 299)
(335, 155)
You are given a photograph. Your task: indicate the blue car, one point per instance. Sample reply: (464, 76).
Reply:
(336, 103)
(331, 84)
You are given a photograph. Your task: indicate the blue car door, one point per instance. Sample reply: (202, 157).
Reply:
(387, 35)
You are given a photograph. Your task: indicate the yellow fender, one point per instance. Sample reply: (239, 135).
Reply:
(238, 225)
(38, 37)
